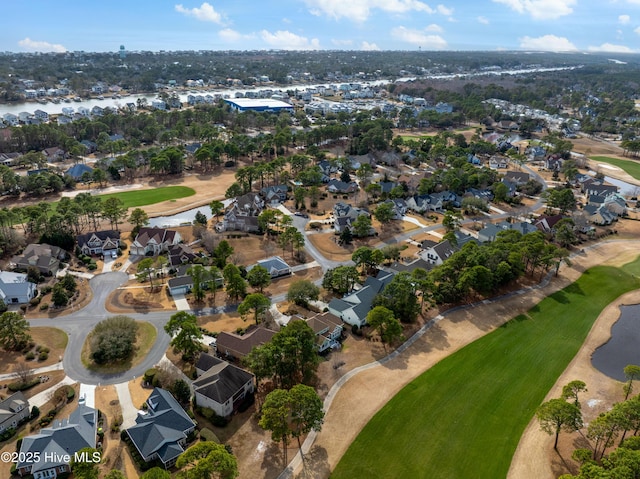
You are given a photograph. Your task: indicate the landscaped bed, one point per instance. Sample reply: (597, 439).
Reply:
(465, 416)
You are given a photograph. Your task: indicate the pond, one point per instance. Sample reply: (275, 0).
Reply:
(183, 218)
(622, 349)
(626, 189)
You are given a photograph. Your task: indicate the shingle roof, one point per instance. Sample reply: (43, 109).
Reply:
(240, 346)
(221, 381)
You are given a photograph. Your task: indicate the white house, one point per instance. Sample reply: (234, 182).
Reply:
(15, 289)
(154, 240)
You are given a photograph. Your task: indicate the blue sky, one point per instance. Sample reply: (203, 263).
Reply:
(550, 25)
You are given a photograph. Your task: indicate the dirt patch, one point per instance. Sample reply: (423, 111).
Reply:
(53, 338)
(230, 322)
(77, 301)
(136, 299)
(327, 245)
(139, 393)
(107, 401)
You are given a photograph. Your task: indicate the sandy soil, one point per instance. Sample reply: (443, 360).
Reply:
(54, 378)
(137, 298)
(79, 300)
(371, 389)
(53, 338)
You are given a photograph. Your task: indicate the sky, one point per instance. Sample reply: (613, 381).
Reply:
(529, 25)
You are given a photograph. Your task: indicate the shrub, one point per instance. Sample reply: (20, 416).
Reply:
(70, 393)
(35, 412)
(38, 348)
(44, 349)
(30, 356)
(149, 374)
(20, 386)
(46, 289)
(44, 306)
(35, 301)
(113, 339)
(43, 356)
(92, 266)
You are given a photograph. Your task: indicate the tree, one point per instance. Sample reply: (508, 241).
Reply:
(235, 284)
(302, 291)
(14, 331)
(200, 218)
(275, 417)
(146, 269)
(259, 278)
(382, 320)
(199, 276)
(571, 390)
(85, 467)
(632, 372)
(222, 253)
(59, 296)
(207, 460)
(138, 218)
(561, 198)
(400, 297)
(346, 237)
(257, 303)
(367, 257)
(361, 226)
(181, 391)
(117, 474)
(217, 207)
(500, 192)
(384, 213)
(156, 473)
(22, 372)
(113, 339)
(306, 411)
(69, 283)
(114, 210)
(340, 279)
(556, 415)
(183, 327)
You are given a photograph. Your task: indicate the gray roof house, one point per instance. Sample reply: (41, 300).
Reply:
(47, 454)
(15, 289)
(489, 233)
(98, 242)
(274, 195)
(232, 345)
(354, 307)
(438, 253)
(77, 170)
(13, 410)
(275, 265)
(242, 214)
(221, 386)
(43, 256)
(161, 431)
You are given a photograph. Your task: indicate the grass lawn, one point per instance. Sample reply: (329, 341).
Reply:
(137, 198)
(464, 417)
(145, 338)
(629, 166)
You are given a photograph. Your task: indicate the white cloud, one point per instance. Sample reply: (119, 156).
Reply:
(285, 40)
(38, 46)
(286, 20)
(541, 9)
(205, 13)
(624, 19)
(369, 47)
(433, 28)
(360, 10)
(341, 43)
(547, 43)
(229, 35)
(637, 30)
(483, 20)
(444, 10)
(610, 47)
(419, 38)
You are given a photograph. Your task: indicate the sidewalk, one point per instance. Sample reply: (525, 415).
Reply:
(42, 398)
(39, 371)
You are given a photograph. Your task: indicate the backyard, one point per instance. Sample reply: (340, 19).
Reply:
(504, 375)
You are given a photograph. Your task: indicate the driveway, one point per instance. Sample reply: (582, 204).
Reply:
(129, 410)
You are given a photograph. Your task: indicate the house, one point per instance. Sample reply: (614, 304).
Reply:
(517, 177)
(77, 170)
(328, 330)
(422, 203)
(162, 430)
(183, 283)
(48, 453)
(338, 186)
(399, 207)
(598, 189)
(232, 345)
(274, 195)
(154, 241)
(221, 386)
(54, 154)
(438, 253)
(41, 115)
(275, 265)
(354, 307)
(328, 167)
(345, 214)
(616, 204)
(536, 153)
(104, 242)
(489, 233)
(522, 226)
(599, 215)
(546, 223)
(242, 214)
(496, 162)
(13, 411)
(15, 289)
(553, 162)
(180, 254)
(43, 256)
(399, 266)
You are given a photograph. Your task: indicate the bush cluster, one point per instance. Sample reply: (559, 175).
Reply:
(113, 339)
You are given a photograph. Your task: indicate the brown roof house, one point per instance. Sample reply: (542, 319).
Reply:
(154, 241)
(232, 345)
(221, 386)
